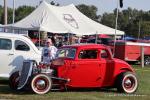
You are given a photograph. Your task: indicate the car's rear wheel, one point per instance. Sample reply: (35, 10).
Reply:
(41, 84)
(127, 82)
(14, 80)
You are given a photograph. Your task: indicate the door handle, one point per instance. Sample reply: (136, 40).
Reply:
(10, 54)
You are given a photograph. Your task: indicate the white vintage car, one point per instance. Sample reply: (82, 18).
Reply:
(14, 49)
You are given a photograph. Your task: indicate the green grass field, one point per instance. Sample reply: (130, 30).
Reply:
(143, 92)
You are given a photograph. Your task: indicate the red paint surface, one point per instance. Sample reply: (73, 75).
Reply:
(130, 52)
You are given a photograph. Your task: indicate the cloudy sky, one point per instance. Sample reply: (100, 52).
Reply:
(102, 5)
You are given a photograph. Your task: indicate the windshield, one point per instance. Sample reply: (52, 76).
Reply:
(66, 52)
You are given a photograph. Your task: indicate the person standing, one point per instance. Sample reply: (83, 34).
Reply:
(48, 52)
(54, 40)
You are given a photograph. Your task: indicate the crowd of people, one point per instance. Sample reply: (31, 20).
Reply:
(51, 44)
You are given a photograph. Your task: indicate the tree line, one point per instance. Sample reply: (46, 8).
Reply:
(131, 21)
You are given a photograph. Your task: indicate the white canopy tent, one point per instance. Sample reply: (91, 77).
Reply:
(65, 19)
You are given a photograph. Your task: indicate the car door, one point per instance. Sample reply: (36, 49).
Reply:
(6, 56)
(22, 51)
(107, 67)
(85, 71)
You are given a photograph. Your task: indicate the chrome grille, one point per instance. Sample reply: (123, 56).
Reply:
(25, 73)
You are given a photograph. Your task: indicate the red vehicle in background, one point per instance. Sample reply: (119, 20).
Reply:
(79, 66)
(131, 51)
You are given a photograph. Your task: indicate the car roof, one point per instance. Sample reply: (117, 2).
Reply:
(18, 36)
(3, 34)
(85, 46)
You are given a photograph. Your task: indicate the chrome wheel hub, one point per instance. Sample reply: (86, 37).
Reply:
(128, 83)
(41, 84)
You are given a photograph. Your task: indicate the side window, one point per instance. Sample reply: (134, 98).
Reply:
(71, 53)
(21, 46)
(104, 54)
(68, 52)
(61, 53)
(88, 54)
(5, 44)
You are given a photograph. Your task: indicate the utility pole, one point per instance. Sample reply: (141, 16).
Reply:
(5, 12)
(139, 29)
(13, 14)
(13, 11)
(116, 25)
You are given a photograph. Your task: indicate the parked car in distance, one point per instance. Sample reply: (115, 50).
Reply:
(78, 66)
(14, 49)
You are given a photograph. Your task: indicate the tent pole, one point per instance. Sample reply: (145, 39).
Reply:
(116, 28)
(27, 33)
(96, 37)
(123, 37)
(68, 39)
(39, 37)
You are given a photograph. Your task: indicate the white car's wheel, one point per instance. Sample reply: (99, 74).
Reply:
(127, 82)
(14, 80)
(41, 84)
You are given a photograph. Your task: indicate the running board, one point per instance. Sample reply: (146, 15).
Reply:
(62, 79)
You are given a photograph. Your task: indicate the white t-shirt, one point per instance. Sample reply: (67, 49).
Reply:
(48, 54)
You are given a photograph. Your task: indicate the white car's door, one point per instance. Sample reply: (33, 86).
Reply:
(22, 51)
(6, 56)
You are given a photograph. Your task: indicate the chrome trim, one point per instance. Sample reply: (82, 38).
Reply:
(21, 85)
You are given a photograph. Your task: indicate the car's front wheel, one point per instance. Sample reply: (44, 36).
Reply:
(127, 82)
(14, 80)
(41, 83)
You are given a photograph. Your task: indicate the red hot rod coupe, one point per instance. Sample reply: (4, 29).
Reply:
(77, 66)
